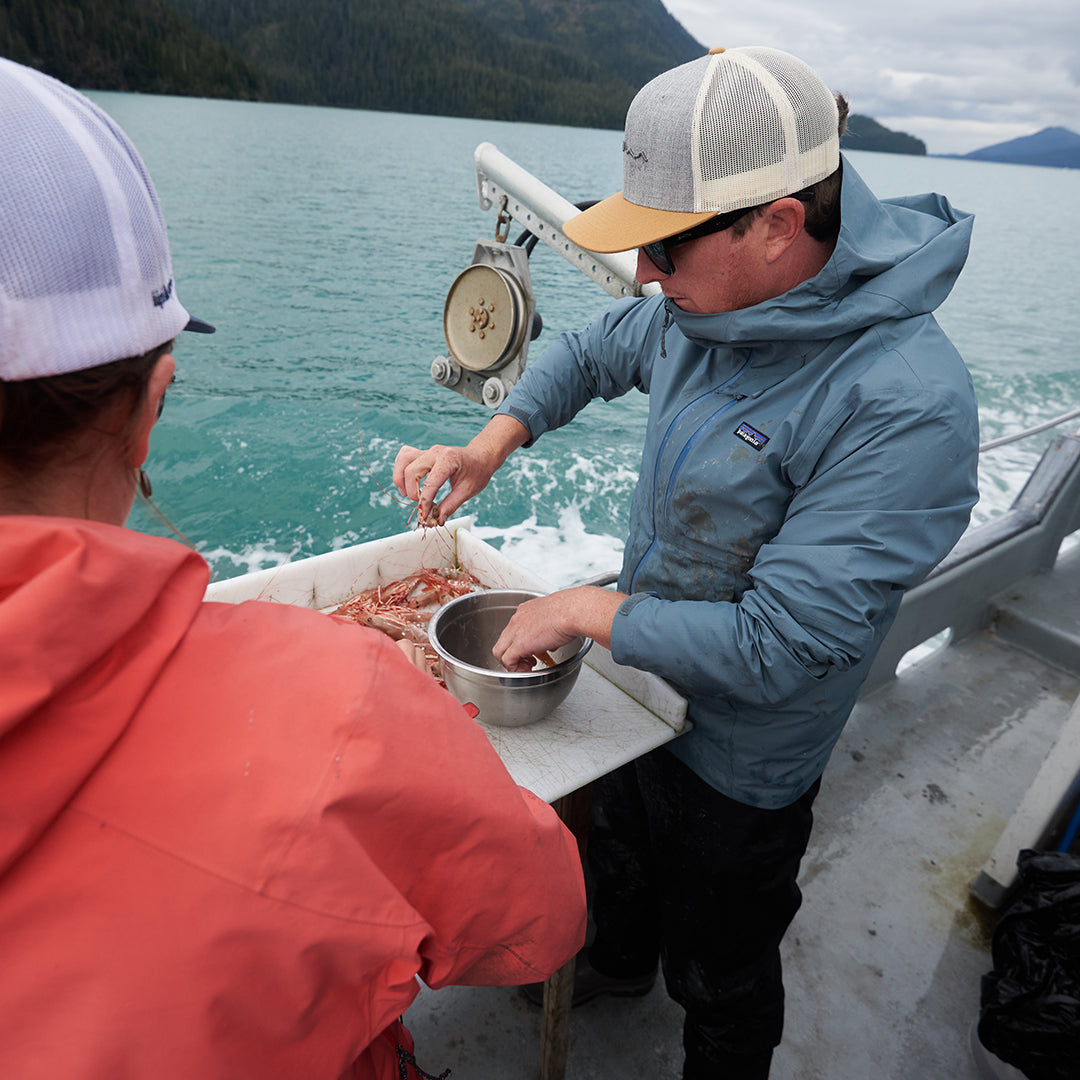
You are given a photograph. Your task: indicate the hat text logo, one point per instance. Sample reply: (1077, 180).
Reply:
(161, 296)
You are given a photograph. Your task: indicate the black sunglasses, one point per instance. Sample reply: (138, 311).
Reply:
(659, 252)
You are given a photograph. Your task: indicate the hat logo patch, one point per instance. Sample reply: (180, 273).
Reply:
(638, 155)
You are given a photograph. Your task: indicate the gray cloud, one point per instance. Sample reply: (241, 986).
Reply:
(959, 74)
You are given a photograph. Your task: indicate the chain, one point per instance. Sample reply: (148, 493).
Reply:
(502, 222)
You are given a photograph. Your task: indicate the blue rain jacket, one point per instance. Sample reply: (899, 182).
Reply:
(806, 460)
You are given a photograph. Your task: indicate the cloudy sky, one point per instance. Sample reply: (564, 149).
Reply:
(958, 74)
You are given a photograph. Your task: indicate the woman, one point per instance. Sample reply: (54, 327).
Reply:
(231, 837)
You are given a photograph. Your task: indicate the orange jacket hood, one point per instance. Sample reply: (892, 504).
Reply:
(89, 669)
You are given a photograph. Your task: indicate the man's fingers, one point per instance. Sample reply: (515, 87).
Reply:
(512, 660)
(427, 489)
(415, 477)
(528, 631)
(455, 497)
(405, 475)
(421, 474)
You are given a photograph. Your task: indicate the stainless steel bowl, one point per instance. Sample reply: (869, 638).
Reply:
(463, 632)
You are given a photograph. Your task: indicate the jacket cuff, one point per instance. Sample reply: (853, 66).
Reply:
(531, 421)
(626, 633)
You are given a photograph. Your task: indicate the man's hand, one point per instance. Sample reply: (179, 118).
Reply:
(419, 474)
(549, 622)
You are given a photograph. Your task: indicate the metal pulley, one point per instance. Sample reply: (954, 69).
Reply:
(485, 317)
(489, 318)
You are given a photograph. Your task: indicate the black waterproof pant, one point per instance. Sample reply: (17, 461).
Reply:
(683, 874)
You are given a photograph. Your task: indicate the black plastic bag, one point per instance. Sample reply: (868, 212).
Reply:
(1030, 1014)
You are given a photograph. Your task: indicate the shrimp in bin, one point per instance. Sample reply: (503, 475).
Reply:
(402, 609)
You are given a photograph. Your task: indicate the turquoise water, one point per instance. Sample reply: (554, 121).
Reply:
(322, 243)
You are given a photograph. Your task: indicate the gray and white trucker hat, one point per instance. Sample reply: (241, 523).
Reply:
(735, 128)
(85, 270)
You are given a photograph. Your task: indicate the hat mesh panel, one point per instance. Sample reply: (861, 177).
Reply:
(144, 215)
(814, 110)
(79, 249)
(740, 125)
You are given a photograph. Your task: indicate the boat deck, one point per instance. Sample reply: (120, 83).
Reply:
(884, 961)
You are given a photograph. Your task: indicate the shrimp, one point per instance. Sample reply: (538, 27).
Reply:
(402, 609)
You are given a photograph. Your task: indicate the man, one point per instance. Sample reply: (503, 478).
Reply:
(810, 454)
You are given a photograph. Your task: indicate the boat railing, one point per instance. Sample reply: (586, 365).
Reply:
(957, 596)
(1017, 436)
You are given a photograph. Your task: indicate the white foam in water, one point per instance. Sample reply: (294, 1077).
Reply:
(559, 555)
(250, 558)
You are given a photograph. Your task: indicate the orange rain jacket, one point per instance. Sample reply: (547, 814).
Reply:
(232, 836)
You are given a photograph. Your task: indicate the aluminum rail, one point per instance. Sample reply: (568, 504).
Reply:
(542, 211)
(1030, 431)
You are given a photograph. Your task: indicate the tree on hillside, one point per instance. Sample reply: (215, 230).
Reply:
(122, 45)
(866, 134)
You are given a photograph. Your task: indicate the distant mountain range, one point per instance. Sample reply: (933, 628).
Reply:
(576, 62)
(1054, 146)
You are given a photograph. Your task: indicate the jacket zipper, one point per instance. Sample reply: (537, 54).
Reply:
(735, 399)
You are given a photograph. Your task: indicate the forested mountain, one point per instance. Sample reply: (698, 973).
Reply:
(635, 39)
(550, 61)
(1054, 146)
(866, 134)
(430, 56)
(123, 45)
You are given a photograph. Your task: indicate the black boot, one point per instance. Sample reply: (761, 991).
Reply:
(590, 983)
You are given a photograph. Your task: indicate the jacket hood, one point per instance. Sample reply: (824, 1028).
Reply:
(84, 634)
(894, 259)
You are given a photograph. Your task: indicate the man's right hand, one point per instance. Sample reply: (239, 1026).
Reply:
(419, 474)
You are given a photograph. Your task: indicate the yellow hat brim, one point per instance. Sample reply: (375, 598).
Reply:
(616, 224)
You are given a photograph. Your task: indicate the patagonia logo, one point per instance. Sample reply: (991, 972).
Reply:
(638, 155)
(750, 436)
(161, 296)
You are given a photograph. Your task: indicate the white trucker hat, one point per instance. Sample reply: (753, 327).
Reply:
(735, 128)
(85, 271)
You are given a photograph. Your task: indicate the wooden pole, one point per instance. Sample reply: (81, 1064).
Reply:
(559, 989)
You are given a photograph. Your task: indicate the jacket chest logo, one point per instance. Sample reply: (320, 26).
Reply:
(751, 436)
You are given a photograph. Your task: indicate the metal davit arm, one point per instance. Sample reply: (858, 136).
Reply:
(536, 207)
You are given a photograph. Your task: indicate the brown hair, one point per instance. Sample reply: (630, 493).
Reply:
(822, 200)
(39, 418)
